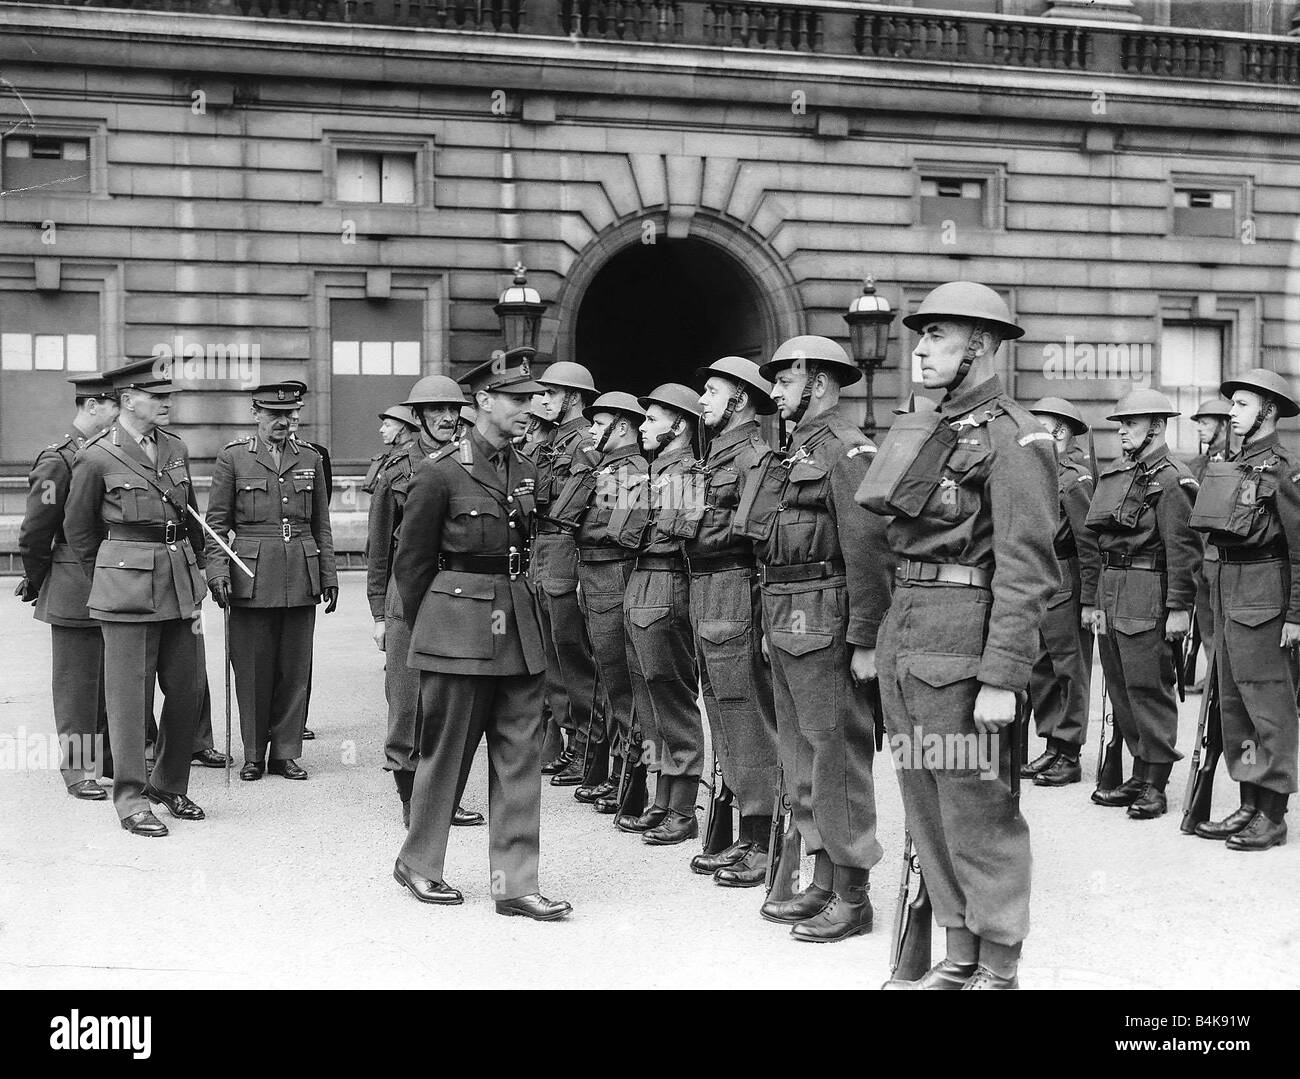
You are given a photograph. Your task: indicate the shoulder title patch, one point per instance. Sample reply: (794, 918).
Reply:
(1033, 436)
(864, 448)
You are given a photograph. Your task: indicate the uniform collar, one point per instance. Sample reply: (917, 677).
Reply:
(482, 467)
(423, 446)
(133, 434)
(569, 426)
(664, 460)
(808, 428)
(1260, 446)
(621, 454)
(1153, 455)
(968, 399)
(742, 433)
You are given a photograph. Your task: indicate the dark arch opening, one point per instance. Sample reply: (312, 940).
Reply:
(655, 312)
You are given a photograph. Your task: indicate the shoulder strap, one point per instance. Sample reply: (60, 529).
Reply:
(147, 477)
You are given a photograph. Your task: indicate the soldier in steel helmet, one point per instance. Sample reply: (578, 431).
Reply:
(397, 427)
(824, 569)
(1249, 507)
(430, 412)
(567, 388)
(727, 617)
(1213, 423)
(1150, 557)
(974, 505)
(657, 620)
(1060, 682)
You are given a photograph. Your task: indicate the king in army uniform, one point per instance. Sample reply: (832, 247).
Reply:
(433, 406)
(1150, 557)
(269, 491)
(54, 581)
(1060, 683)
(128, 521)
(461, 570)
(972, 494)
(1250, 509)
(825, 573)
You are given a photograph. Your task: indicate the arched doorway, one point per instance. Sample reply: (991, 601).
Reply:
(655, 312)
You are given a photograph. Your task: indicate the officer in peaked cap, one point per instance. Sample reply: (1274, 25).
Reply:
(1249, 507)
(54, 582)
(824, 567)
(657, 622)
(1060, 681)
(128, 521)
(567, 388)
(973, 507)
(269, 490)
(433, 406)
(1150, 557)
(727, 617)
(461, 569)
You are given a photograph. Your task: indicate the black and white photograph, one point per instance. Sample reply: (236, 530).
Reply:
(609, 494)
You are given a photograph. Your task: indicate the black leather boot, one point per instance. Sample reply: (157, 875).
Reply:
(1063, 771)
(1127, 792)
(708, 864)
(673, 829)
(405, 782)
(592, 787)
(1267, 828)
(1235, 821)
(809, 902)
(1151, 802)
(1039, 764)
(751, 870)
(846, 915)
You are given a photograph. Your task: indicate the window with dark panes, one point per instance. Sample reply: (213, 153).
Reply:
(33, 162)
(1200, 211)
(369, 176)
(960, 201)
(375, 359)
(44, 338)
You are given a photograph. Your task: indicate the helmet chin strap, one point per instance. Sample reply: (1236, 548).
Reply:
(603, 440)
(664, 437)
(968, 358)
(1266, 408)
(1133, 455)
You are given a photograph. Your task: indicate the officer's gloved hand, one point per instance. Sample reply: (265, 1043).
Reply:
(1177, 624)
(378, 635)
(220, 589)
(26, 591)
(331, 597)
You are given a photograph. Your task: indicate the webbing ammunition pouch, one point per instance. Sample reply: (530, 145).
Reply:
(1229, 499)
(631, 513)
(1119, 497)
(908, 466)
(572, 502)
(679, 504)
(760, 501)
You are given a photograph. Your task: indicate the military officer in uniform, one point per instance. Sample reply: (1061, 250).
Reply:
(53, 580)
(657, 621)
(567, 388)
(141, 551)
(727, 617)
(606, 507)
(1150, 557)
(972, 494)
(1212, 419)
(461, 570)
(1250, 509)
(269, 490)
(1060, 683)
(434, 405)
(825, 574)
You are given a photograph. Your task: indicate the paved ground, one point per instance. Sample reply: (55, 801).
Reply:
(289, 884)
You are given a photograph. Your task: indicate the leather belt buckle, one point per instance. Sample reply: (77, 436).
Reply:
(514, 562)
(169, 532)
(286, 530)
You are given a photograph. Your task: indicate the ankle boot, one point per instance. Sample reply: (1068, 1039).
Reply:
(751, 870)
(1267, 828)
(1235, 821)
(608, 771)
(673, 829)
(645, 819)
(847, 914)
(405, 782)
(1151, 802)
(1127, 792)
(809, 902)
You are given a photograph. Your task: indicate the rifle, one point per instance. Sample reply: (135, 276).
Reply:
(1019, 747)
(1193, 650)
(718, 832)
(1207, 751)
(1110, 754)
(1176, 654)
(909, 957)
(784, 847)
(631, 781)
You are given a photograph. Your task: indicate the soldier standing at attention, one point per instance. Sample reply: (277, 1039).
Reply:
(1250, 507)
(1213, 426)
(397, 427)
(269, 490)
(434, 407)
(657, 620)
(142, 554)
(567, 388)
(1060, 683)
(461, 569)
(727, 618)
(606, 506)
(1150, 557)
(825, 572)
(54, 581)
(973, 494)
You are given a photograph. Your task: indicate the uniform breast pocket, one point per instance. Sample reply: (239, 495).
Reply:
(958, 495)
(476, 523)
(251, 500)
(127, 493)
(303, 486)
(803, 498)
